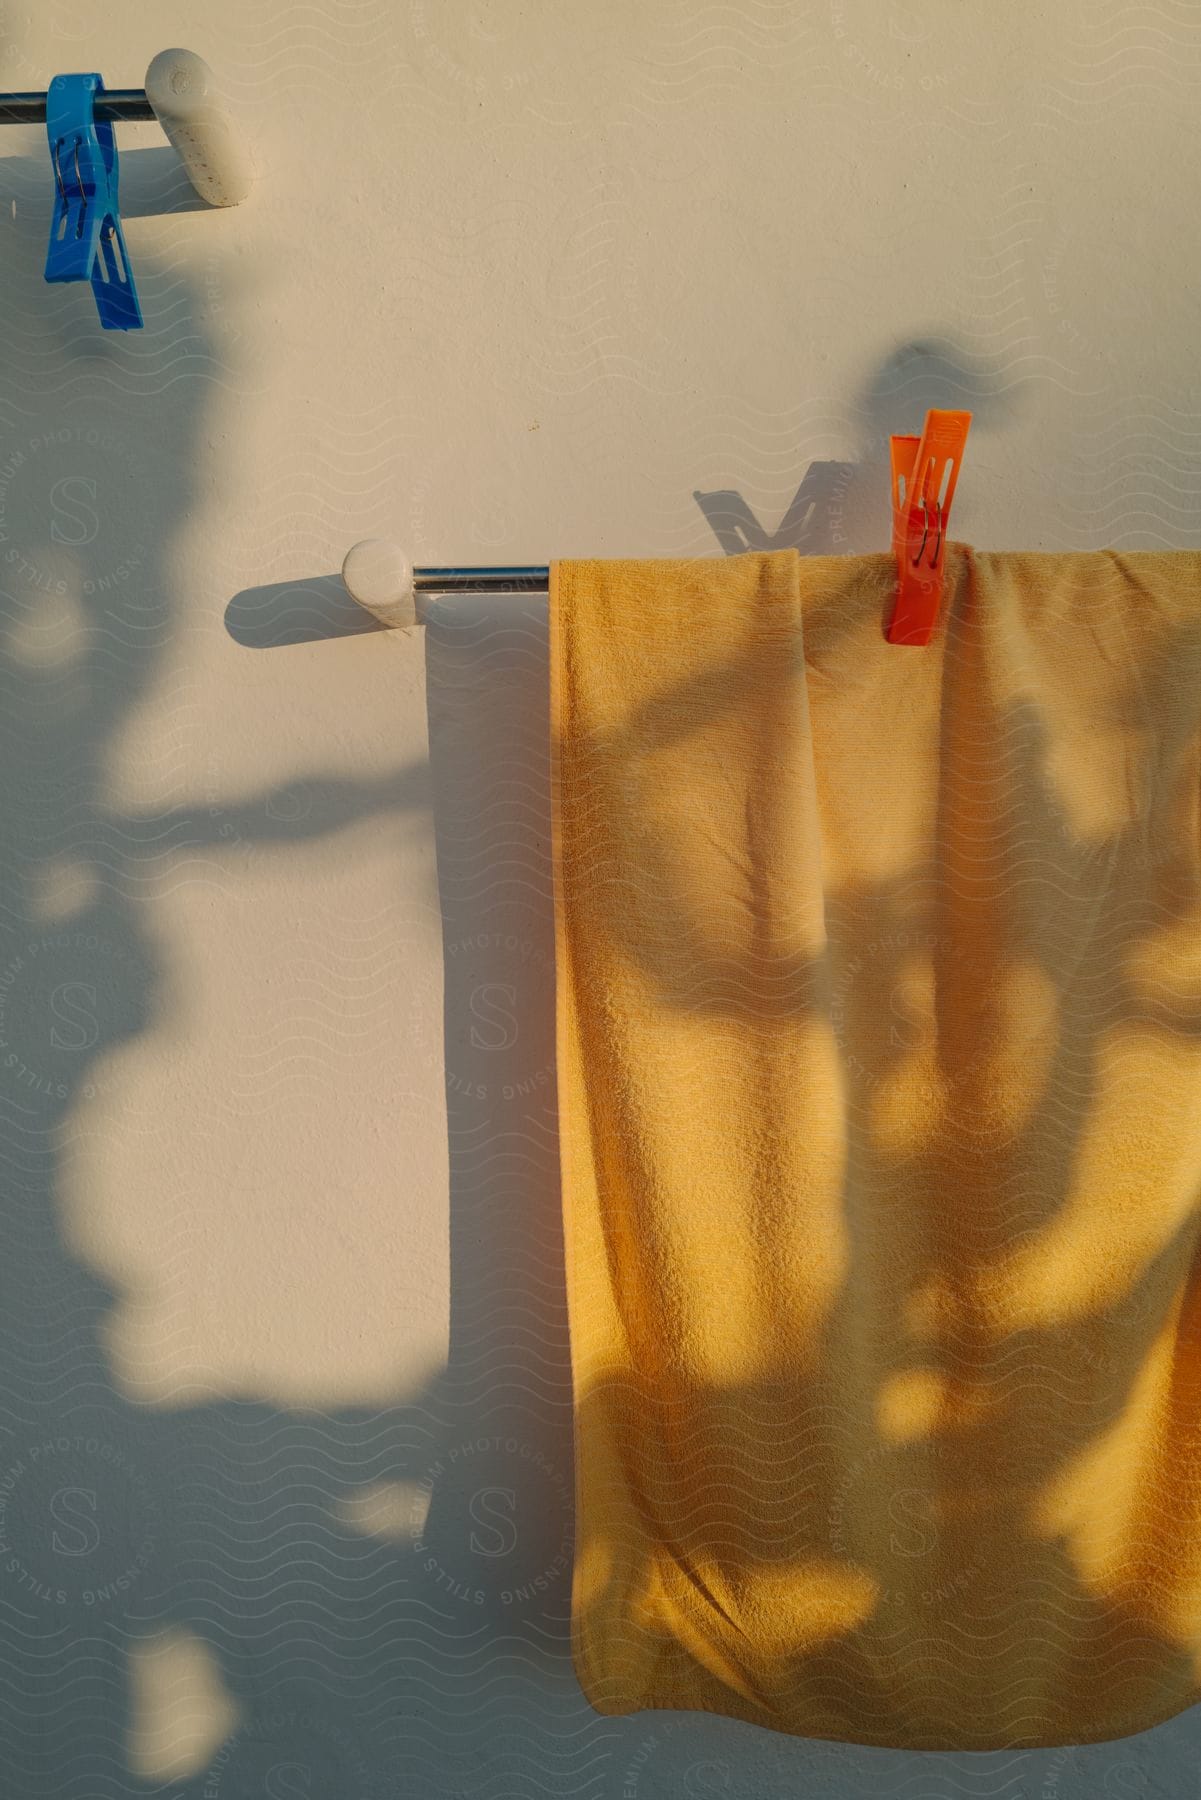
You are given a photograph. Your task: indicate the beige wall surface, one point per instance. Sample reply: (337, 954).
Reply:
(285, 1448)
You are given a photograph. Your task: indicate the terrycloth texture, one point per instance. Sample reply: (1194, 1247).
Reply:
(879, 1053)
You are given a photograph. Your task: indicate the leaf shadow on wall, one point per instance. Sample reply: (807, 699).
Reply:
(843, 508)
(196, 1602)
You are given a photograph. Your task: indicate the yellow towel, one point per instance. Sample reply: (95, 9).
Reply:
(879, 1054)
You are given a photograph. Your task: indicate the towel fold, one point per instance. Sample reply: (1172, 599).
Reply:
(879, 1064)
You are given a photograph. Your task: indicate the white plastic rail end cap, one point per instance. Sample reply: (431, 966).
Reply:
(379, 575)
(192, 111)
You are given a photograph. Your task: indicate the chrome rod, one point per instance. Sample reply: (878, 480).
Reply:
(527, 578)
(114, 105)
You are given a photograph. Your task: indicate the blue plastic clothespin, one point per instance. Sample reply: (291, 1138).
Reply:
(86, 240)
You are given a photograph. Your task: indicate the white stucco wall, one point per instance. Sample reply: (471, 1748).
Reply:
(286, 1459)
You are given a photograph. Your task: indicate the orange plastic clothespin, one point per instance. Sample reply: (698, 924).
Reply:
(924, 473)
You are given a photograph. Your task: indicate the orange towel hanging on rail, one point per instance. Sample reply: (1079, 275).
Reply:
(879, 1060)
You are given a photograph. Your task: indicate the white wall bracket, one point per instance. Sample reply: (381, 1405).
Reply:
(379, 575)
